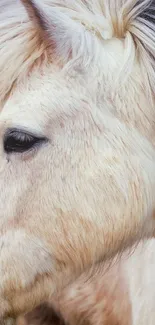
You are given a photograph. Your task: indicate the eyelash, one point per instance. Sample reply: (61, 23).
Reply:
(18, 141)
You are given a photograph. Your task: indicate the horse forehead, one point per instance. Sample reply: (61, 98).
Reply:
(35, 106)
(45, 102)
(24, 115)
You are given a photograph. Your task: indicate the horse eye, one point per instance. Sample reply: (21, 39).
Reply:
(18, 141)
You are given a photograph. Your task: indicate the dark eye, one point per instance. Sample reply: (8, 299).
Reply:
(20, 141)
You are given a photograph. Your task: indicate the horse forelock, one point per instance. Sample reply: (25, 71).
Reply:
(22, 47)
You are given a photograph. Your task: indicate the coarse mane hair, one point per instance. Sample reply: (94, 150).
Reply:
(22, 48)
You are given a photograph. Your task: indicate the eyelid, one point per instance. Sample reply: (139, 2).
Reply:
(26, 132)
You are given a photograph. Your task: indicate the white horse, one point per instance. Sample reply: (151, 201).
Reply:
(77, 155)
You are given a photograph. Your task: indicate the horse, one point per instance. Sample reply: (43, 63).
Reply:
(77, 156)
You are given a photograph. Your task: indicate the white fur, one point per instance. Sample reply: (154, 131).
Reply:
(81, 74)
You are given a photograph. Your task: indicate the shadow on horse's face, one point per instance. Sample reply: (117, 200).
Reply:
(42, 315)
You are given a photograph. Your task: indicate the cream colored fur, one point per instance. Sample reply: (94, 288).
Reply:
(81, 74)
(119, 293)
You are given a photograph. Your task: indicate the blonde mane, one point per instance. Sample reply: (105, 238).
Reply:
(22, 48)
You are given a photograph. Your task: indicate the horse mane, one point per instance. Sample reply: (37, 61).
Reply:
(20, 45)
(22, 48)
